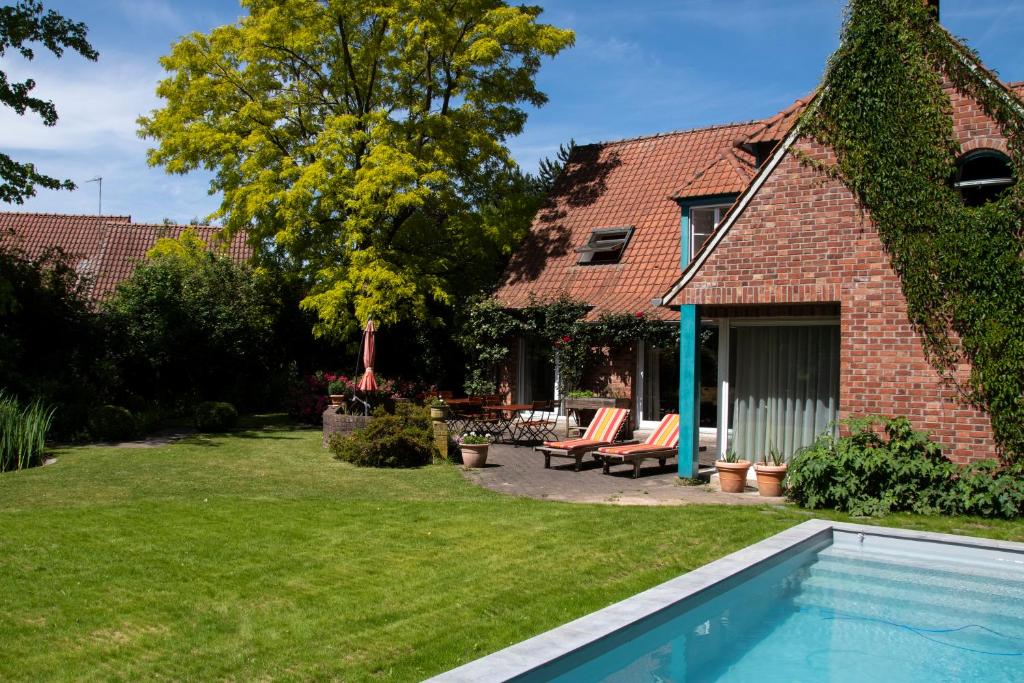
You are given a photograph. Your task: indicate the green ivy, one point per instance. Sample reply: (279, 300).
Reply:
(883, 110)
(558, 325)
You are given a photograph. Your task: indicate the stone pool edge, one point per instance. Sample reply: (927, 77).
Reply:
(531, 654)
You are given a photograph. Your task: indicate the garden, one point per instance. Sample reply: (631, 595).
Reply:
(254, 554)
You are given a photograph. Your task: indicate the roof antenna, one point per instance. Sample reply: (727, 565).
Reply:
(98, 179)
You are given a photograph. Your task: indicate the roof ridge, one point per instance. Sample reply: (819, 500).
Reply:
(669, 133)
(128, 217)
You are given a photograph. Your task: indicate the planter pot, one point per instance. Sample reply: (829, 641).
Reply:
(474, 455)
(337, 399)
(437, 413)
(732, 476)
(769, 479)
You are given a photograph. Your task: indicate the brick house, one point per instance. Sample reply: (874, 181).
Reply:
(103, 249)
(812, 322)
(610, 236)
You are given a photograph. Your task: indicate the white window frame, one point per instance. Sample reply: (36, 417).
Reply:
(720, 211)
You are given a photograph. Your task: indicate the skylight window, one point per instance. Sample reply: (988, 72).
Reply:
(605, 246)
(982, 175)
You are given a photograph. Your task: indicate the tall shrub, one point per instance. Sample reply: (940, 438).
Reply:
(191, 324)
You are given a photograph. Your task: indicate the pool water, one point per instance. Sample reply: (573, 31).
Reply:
(838, 611)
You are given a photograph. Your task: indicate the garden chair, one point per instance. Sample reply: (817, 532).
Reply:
(602, 431)
(536, 427)
(662, 444)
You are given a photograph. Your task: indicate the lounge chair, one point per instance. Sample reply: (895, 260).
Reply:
(662, 444)
(602, 431)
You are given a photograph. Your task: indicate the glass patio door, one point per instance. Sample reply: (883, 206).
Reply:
(786, 389)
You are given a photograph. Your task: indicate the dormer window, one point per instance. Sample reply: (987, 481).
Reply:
(605, 246)
(703, 221)
(982, 175)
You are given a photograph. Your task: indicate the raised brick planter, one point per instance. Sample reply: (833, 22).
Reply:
(336, 423)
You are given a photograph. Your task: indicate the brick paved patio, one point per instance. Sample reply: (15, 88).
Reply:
(519, 471)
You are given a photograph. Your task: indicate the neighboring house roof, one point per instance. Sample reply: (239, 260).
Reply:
(105, 249)
(616, 184)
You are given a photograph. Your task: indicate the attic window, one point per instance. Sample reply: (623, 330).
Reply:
(982, 175)
(605, 246)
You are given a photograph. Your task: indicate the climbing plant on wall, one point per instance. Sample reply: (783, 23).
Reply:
(560, 327)
(883, 110)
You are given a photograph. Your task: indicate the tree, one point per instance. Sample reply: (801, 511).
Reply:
(191, 325)
(21, 25)
(362, 141)
(51, 341)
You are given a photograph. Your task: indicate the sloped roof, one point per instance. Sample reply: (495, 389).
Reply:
(105, 249)
(612, 184)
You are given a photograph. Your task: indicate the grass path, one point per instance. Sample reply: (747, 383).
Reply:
(256, 556)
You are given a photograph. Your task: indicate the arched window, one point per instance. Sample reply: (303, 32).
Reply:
(982, 175)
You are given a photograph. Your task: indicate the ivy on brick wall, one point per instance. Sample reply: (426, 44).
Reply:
(883, 110)
(558, 326)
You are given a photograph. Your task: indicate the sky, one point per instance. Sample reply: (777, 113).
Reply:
(638, 68)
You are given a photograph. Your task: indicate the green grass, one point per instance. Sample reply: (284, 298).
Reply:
(256, 556)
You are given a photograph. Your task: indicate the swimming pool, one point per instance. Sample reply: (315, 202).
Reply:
(820, 602)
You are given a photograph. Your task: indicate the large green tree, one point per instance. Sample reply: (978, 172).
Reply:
(366, 140)
(21, 25)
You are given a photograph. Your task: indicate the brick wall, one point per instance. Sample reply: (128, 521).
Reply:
(804, 239)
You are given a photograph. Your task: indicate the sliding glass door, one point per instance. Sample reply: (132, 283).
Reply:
(786, 387)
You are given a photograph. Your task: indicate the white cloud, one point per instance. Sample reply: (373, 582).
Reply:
(98, 104)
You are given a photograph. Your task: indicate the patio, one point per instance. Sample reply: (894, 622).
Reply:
(519, 471)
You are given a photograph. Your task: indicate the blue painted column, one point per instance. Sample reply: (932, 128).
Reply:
(689, 391)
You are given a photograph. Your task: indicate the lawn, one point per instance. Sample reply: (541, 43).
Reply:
(256, 556)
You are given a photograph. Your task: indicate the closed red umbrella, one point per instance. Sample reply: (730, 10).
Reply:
(368, 382)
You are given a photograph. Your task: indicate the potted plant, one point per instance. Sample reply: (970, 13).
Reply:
(437, 406)
(474, 449)
(732, 473)
(770, 473)
(336, 392)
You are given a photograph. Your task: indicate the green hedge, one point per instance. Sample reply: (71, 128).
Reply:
(215, 416)
(113, 423)
(884, 466)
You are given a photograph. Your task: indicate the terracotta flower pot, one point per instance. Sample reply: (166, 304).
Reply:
(437, 413)
(732, 476)
(474, 455)
(769, 479)
(337, 399)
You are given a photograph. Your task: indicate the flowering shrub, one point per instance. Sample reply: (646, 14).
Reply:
(474, 439)
(308, 397)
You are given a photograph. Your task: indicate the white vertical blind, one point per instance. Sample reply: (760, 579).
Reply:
(787, 387)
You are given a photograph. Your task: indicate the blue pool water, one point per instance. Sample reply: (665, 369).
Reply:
(830, 612)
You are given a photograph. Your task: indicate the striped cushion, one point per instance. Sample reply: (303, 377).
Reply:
(573, 443)
(635, 448)
(667, 433)
(605, 425)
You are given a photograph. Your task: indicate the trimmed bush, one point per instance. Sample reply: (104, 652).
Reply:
(884, 465)
(215, 416)
(404, 439)
(113, 423)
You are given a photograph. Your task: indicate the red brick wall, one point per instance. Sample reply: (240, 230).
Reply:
(804, 239)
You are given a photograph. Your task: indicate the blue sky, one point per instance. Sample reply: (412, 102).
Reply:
(640, 67)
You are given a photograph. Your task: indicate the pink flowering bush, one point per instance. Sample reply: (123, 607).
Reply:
(309, 395)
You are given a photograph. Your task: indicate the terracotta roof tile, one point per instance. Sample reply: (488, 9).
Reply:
(611, 184)
(103, 248)
(728, 174)
(775, 128)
